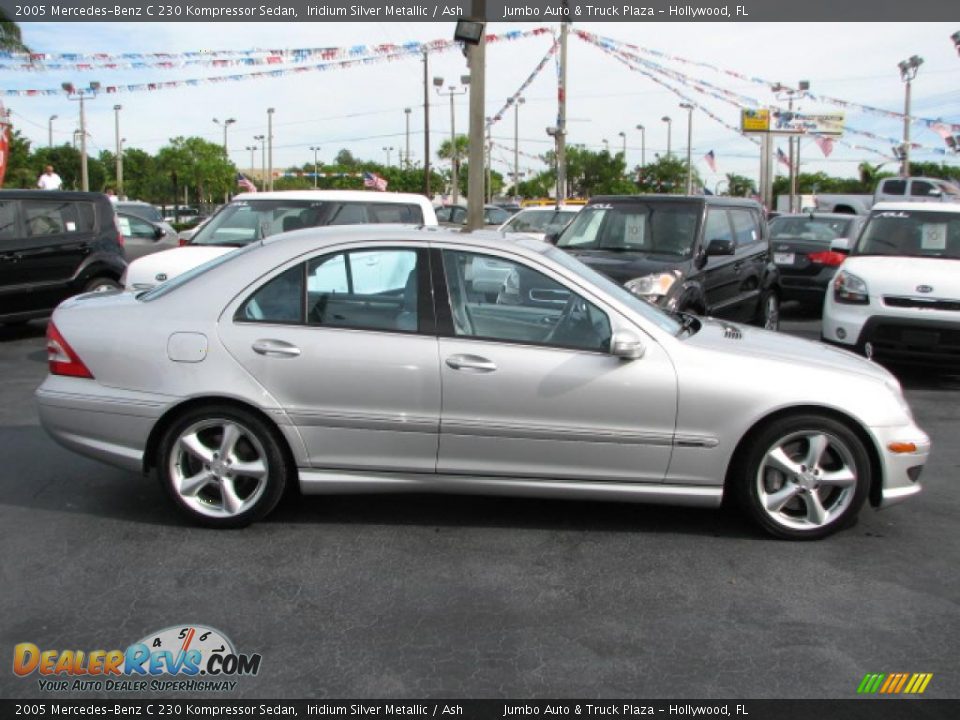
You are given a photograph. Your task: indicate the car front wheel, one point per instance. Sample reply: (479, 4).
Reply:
(222, 466)
(803, 478)
(768, 313)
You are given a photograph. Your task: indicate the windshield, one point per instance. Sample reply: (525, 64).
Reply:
(649, 312)
(809, 228)
(539, 221)
(659, 228)
(911, 234)
(245, 221)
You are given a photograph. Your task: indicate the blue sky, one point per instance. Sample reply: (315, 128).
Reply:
(362, 109)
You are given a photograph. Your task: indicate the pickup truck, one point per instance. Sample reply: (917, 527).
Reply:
(914, 189)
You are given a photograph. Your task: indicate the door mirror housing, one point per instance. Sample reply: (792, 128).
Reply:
(719, 246)
(626, 345)
(157, 232)
(840, 245)
(551, 237)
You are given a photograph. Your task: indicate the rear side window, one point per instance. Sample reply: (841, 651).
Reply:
(56, 217)
(894, 187)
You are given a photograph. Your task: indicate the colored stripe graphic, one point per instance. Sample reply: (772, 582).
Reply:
(894, 683)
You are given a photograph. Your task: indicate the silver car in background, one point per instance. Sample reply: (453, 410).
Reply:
(359, 359)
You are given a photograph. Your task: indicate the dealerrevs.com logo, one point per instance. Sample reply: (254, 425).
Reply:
(186, 658)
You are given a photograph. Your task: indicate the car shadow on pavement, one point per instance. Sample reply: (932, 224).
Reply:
(40, 475)
(23, 331)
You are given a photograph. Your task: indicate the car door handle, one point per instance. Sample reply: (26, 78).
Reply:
(471, 363)
(275, 348)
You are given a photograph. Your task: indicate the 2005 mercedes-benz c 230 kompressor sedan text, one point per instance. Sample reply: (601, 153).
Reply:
(361, 359)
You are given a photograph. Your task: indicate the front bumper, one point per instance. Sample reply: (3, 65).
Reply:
(900, 470)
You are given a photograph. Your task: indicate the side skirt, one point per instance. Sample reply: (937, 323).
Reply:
(346, 482)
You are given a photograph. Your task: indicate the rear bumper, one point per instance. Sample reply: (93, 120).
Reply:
(102, 423)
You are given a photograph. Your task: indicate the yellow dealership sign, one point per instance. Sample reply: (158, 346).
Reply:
(755, 120)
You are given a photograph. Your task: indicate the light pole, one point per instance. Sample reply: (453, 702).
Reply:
(226, 123)
(558, 133)
(643, 145)
(908, 72)
(426, 124)
(270, 146)
(119, 158)
(606, 146)
(669, 122)
(75, 93)
(406, 112)
(50, 130)
(388, 150)
(623, 136)
(789, 93)
(689, 108)
(453, 91)
(516, 140)
(263, 160)
(252, 149)
(316, 165)
(489, 161)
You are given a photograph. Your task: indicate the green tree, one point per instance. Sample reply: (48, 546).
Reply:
(345, 159)
(740, 186)
(10, 38)
(200, 165)
(666, 175)
(21, 169)
(66, 161)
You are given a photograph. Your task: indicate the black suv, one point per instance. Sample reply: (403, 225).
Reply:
(702, 254)
(53, 245)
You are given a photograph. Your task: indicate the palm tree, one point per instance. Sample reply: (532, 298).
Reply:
(10, 35)
(445, 151)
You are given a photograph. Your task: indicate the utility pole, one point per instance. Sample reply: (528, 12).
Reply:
(689, 108)
(316, 165)
(643, 145)
(789, 94)
(623, 135)
(477, 58)
(516, 143)
(270, 146)
(561, 136)
(406, 112)
(252, 149)
(119, 158)
(50, 130)
(669, 122)
(488, 155)
(454, 150)
(81, 94)
(908, 73)
(263, 160)
(426, 124)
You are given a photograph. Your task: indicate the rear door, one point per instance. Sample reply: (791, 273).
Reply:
(751, 258)
(721, 283)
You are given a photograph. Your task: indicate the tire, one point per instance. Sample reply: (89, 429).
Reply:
(101, 284)
(802, 478)
(199, 457)
(768, 311)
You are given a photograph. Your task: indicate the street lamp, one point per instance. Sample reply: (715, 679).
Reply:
(516, 140)
(908, 72)
(252, 149)
(50, 130)
(316, 165)
(406, 112)
(270, 146)
(623, 135)
(81, 94)
(789, 93)
(557, 134)
(226, 123)
(606, 146)
(452, 91)
(263, 160)
(669, 122)
(119, 158)
(388, 150)
(643, 145)
(689, 108)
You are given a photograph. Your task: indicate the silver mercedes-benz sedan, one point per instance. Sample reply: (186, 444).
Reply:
(361, 359)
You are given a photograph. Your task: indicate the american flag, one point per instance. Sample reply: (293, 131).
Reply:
(824, 143)
(782, 158)
(711, 160)
(245, 183)
(372, 180)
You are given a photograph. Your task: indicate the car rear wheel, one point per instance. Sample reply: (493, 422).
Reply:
(101, 284)
(803, 478)
(768, 314)
(222, 466)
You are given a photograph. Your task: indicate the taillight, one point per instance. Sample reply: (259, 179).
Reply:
(120, 239)
(827, 257)
(183, 241)
(61, 357)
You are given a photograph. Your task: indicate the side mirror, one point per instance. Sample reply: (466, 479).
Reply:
(551, 238)
(840, 245)
(626, 345)
(158, 232)
(718, 246)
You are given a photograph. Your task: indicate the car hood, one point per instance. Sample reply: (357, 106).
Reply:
(144, 273)
(753, 342)
(625, 266)
(897, 275)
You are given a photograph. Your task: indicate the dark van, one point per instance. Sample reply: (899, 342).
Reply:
(706, 255)
(53, 245)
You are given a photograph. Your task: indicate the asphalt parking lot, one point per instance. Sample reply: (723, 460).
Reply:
(398, 597)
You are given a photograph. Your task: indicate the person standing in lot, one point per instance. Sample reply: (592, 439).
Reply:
(49, 180)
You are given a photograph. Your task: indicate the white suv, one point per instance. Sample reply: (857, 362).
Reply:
(253, 216)
(897, 295)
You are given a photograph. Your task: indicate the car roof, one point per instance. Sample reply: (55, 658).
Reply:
(819, 216)
(351, 195)
(661, 197)
(54, 194)
(918, 206)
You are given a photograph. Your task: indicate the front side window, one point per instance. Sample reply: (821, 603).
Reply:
(132, 226)
(894, 187)
(746, 229)
(529, 308)
(717, 226)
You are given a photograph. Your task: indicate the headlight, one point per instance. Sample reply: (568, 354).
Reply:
(849, 289)
(652, 287)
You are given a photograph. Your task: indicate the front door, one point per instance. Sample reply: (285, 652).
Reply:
(530, 389)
